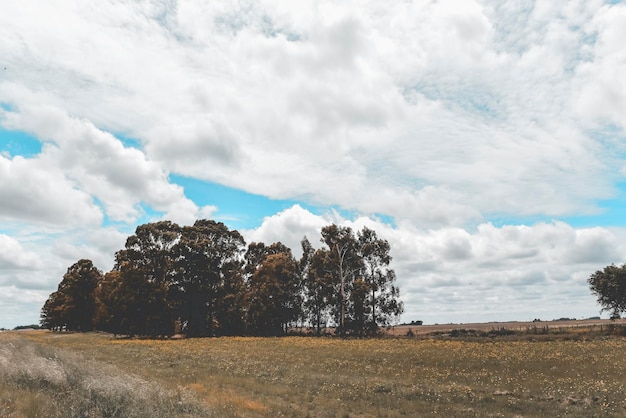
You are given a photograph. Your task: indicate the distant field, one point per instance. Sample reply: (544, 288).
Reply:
(514, 326)
(578, 374)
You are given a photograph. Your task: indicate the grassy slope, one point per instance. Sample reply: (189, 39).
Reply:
(324, 377)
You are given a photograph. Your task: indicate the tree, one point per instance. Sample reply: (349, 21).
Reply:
(342, 262)
(274, 296)
(352, 280)
(383, 304)
(206, 256)
(318, 290)
(146, 267)
(128, 302)
(609, 286)
(150, 250)
(272, 277)
(230, 309)
(257, 252)
(72, 306)
(53, 313)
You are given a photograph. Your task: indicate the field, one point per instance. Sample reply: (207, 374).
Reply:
(579, 372)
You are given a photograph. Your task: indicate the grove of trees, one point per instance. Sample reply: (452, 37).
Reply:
(202, 280)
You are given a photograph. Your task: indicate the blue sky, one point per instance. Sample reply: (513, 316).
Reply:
(484, 141)
(242, 210)
(15, 143)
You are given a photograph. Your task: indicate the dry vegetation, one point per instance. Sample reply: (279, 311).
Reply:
(581, 373)
(38, 380)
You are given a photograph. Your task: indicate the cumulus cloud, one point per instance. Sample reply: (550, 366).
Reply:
(34, 191)
(513, 272)
(89, 164)
(440, 115)
(284, 103)
(289, 227)
(14, 256)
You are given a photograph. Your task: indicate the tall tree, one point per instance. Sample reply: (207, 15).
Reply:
(257, 252)
(54, 313)
(307, 256)
(73, 305)
(150, 251)
(148, 258)
(609, 286)
(318, 290)
(378, 279)
(129, 302)
(266, 294)
(274, 296)
(207, 251)
(231, 307)
(343, 263)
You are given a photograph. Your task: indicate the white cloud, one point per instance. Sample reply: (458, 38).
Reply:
(496, 273)
(20, 306)
(14, 256)
(602, 96)
(90, 162)
(442, 115)
(33, 190)
(472, 100)
(289, 227)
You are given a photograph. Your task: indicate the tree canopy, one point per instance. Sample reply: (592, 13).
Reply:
(73, 305)
(609, 286)
(203, 280)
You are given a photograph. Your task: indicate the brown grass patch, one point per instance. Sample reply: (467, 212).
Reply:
(393, 377)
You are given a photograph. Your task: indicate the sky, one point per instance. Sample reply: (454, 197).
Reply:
(485, 140)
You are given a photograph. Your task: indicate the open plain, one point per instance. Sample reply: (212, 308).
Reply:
(565, 371)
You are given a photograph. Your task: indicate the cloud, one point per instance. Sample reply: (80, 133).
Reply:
(92, 164)
(602, 96)
(471, 105)
(493, 272)
(33, 190)
(14, 256)
(20, 306)
(289, 227)
(441, 115)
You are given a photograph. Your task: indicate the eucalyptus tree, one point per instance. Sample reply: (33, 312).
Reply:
(208, 257)
(72, 306)
(378, 280)
(148, 257)
(318, 290)
(342, 262)
(129, 303)
(150, 250)
(274, 302)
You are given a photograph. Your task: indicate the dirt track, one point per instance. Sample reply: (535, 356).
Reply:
(488, 326)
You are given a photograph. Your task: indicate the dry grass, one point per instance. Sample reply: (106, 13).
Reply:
(326, 377)
(42, 381)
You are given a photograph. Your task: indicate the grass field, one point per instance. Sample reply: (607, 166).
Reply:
(580, 374)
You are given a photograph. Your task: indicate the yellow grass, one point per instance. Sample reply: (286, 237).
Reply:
(327, 377)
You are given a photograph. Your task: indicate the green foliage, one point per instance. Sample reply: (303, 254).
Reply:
(207, 257)
(609, 286)
(274, 295)
(130, 303)
(351, 281)
(72, 307)
(198, 280)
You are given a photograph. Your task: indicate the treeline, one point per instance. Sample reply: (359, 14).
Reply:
(203, 280)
